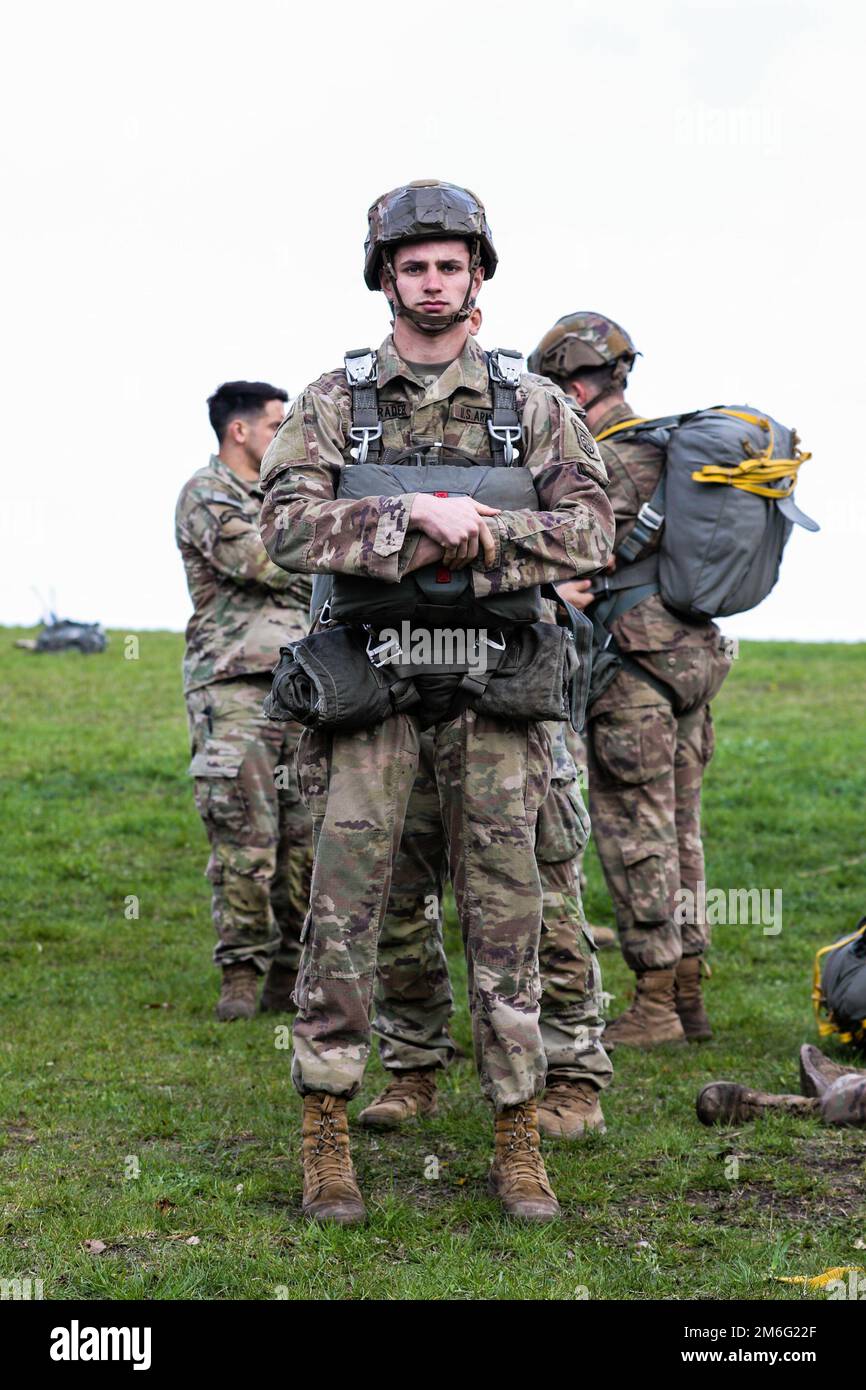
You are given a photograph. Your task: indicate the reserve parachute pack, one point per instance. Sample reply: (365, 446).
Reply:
(432, 595)
(533, 669)
(839, 988)
(726, 494)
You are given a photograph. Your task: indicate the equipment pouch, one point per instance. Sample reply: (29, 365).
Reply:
(562, 829)
(581, 628)
(327, 681)
(534, 679)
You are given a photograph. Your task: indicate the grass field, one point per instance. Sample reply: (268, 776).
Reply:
(129, 1116)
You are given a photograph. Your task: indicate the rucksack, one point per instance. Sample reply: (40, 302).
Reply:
(726, 494)
(839, 988)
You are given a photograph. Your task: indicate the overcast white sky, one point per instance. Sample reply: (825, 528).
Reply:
(186, 188)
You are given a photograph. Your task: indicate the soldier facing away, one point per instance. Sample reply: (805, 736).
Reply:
(244, 767)
(428, 391)
(650, 733)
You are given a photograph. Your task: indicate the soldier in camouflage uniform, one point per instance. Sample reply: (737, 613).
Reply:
(429, 249)
(413, 991)
(650, 734)
(244, 766)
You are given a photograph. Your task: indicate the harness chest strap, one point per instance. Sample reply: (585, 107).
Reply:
(366, 427)
(503, 368)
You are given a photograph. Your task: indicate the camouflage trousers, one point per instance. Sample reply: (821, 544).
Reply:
(259, 830)
(577, 748)
(646, 766)
(491, 778)
(413, 998)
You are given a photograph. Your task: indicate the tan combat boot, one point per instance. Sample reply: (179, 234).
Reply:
(818, 1073)
(727, 1103)
(570, 1109)
(407, 1095)
(688, 999)
(331, 1191)
(517, 1175)
(651, 1017)
(277, 997)
(238, 994)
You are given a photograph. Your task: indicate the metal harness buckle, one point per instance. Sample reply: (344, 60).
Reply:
(362, 438)
(507, 436)
(360, 367)
(650, 517)
(392, 651)
(503, 365)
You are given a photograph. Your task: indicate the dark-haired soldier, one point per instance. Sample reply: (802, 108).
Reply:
(246, 792)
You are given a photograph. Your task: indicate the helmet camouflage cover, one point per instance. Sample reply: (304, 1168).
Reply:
(580, 341)
(421, 211)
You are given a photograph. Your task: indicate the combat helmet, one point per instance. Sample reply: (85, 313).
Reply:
(583, 341)
(423, 211)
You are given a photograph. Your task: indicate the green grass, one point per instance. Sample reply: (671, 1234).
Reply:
(111, 1062)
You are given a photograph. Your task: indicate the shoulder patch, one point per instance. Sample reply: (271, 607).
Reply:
(587, 440)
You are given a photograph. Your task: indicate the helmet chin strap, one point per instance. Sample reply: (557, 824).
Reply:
(433, 323)
(618, 379)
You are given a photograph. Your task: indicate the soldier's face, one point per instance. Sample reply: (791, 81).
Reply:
(433, 276)
(257, 431)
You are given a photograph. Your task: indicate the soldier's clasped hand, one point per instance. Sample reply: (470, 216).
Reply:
(456, 524)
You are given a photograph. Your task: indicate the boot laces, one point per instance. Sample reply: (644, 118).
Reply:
(524, 1158)
(328, 1150)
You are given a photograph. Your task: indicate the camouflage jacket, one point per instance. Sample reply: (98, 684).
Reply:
(662, 641)
(244, 607)
(307, 530)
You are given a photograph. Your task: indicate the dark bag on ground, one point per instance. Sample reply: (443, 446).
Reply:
(839, 988)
